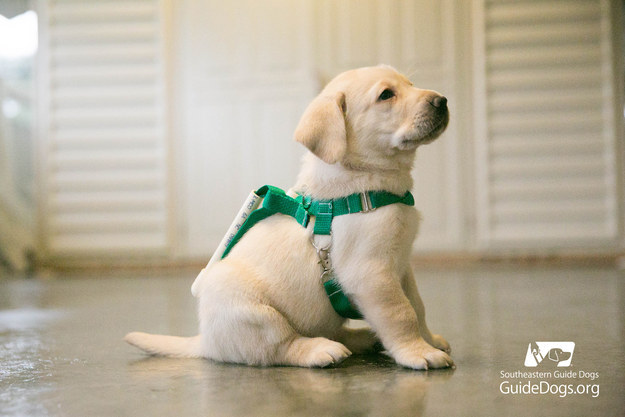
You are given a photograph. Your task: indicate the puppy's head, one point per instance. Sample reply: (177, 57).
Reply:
(366, 117)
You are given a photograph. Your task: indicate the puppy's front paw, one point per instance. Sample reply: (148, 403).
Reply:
(439, 342)
(423, 356)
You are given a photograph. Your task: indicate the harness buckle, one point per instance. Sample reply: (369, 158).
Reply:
(323, 253)
(365, 202)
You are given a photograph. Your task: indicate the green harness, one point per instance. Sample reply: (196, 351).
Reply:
(301, 208)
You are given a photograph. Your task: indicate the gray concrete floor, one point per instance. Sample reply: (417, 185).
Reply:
(61, 352)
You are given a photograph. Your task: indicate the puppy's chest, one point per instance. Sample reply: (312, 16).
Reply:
(388, 228)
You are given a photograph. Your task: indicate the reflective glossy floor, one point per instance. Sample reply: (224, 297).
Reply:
(61, 352)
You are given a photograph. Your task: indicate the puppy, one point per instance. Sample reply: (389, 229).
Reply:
(264, 304)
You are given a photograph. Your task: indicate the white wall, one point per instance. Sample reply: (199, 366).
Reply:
(160, 116)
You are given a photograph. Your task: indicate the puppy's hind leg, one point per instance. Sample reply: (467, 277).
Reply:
(313, 352)
(294, 349)
(257, 334)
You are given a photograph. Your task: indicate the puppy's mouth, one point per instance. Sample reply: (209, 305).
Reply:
(425, 131)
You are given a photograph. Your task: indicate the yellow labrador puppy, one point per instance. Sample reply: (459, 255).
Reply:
(264, 304)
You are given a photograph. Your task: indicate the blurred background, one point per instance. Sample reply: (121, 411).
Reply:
(131, 131)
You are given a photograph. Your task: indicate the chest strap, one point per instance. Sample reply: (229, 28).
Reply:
(275, 201)
(326, 210)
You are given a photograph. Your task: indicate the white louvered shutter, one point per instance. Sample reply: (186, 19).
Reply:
(105, 161)
(546, 138)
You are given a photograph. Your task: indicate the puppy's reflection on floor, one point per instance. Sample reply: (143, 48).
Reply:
(371, 385)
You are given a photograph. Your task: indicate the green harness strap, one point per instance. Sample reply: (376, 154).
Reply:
(326, 210)
(275, 201)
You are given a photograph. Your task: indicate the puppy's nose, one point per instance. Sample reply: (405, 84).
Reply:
(440, 102)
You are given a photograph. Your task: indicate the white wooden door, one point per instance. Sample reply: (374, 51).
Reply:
(249, 68)
(244, 79)
(152, 138)
(547, 151)
(103, 165)
(418, 38)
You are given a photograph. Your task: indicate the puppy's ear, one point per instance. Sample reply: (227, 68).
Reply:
(322, 127)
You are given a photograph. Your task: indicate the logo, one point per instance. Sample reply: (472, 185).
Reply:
(549, 354)
(552, 374)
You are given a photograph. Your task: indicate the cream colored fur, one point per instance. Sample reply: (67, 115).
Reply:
(264, 304)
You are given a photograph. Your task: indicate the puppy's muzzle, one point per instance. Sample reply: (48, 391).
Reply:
(436, 121)
(429, 122)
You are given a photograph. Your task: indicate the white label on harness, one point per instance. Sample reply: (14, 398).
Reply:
(251, 203)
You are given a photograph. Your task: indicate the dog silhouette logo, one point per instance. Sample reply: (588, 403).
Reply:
(559, 354)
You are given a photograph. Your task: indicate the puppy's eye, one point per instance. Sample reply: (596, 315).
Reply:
(386, 95)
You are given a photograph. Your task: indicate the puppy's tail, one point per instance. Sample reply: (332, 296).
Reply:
(173, 346)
